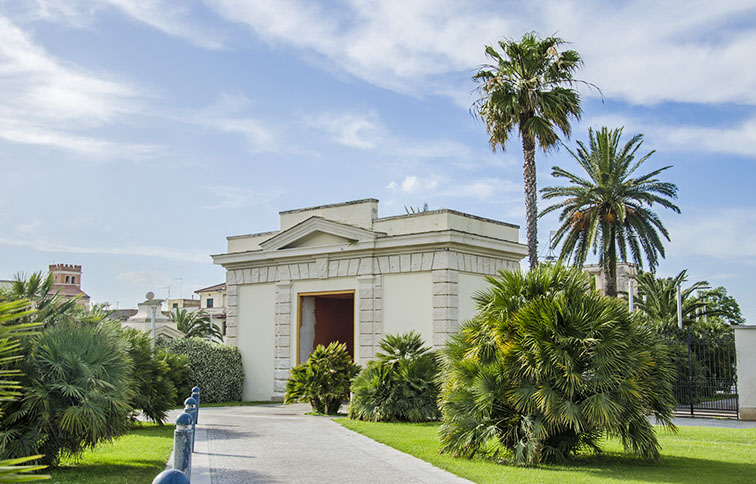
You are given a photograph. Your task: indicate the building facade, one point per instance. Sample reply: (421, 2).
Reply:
(340, 273)
(213, 301)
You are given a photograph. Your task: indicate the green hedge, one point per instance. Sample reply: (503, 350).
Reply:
(214, 367)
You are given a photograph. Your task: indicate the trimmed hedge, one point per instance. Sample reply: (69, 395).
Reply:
(215, 368)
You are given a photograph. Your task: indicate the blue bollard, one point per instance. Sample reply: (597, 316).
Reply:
(190, 407)
(171, 476)
(182, 444)
(196, 395)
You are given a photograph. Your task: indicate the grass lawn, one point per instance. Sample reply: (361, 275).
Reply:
(134, 458)
(693, 455)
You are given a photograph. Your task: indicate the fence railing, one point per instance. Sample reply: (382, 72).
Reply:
(183, 443)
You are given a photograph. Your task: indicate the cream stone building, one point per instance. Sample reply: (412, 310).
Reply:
(340, 273)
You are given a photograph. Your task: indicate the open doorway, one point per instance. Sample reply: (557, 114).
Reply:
(325, 317)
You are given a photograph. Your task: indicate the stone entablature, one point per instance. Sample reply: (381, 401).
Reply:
(318, 246)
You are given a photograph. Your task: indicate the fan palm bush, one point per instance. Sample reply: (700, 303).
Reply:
(547, 367)
(400, 385)
(77, 388)
(324, 379)
(14, 470)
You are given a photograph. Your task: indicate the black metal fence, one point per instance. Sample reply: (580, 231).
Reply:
(707, 382)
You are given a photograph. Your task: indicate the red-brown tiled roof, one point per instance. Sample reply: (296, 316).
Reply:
(68, 290)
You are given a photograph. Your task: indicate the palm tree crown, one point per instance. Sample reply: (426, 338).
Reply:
(195, 324)
(608, 212)
(529, 86)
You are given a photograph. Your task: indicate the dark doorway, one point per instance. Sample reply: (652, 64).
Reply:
(324, 318)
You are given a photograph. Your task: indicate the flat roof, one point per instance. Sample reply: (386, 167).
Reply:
(330, 205)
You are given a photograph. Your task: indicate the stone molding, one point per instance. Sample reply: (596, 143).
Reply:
(282, 354)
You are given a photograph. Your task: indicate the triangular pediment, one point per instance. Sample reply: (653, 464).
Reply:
(317, 232)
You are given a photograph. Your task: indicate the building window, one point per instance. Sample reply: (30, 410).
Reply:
(175, 305)
(67, 279)
(73, 279)
(209, 302)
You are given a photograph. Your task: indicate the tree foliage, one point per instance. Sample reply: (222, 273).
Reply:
(657, 299)
(609, 212)
(77, 389)
(528, 86)
(324, 379)
(547, 367)
(400, 385)
(195, 324)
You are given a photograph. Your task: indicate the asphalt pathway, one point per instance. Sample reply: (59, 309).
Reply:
(280, 444)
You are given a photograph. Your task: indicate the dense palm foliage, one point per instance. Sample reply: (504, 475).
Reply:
(14, 470)
(400, 385)
(609, 211)
(658, 299)
(529, 86)
(154, 390)
(324, 379)
(195, 324)
(38, 289)
(77, 389)
(547, 367)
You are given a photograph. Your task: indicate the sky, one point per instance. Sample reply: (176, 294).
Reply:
(135, 135)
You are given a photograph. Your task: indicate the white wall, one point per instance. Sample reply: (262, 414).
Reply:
(408, 304)
(469, 284)
(256, 339)
(745, 347)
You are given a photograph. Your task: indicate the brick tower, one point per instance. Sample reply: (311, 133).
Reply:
(67, 279)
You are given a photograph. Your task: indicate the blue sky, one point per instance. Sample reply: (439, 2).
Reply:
(136, 135)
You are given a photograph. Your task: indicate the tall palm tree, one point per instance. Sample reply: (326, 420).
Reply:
(529, 86)
(609, 211)
(195, 324)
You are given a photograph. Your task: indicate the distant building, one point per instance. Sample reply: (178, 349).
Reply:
(67, 282)
(625, 272)
(213, 301)
(4, 283)
(190, 304)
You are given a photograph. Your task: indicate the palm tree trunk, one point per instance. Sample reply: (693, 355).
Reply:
(610, 265)
(531, 199)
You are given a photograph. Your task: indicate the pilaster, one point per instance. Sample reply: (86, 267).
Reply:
(282, 354)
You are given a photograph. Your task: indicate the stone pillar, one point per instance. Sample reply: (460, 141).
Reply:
(445, 296)
(232, 304)
(745, 350)
(370, 316)
(282, 353)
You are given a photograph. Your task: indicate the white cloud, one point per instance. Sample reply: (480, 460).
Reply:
(483, 189)
(738, 139)
(44, 100)
(366, 131)
(640, 51)
(190, 255)
(231, 197)
(728, 233)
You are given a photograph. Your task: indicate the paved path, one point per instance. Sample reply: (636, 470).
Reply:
(279, 444)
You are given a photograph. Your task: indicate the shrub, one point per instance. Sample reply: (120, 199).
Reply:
(400, 385)
(547, 367)
(155, 391)
(324, 379)
(77, 388)
(214, 367)
(178, 373)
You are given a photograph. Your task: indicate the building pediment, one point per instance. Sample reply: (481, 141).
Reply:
(317, 232)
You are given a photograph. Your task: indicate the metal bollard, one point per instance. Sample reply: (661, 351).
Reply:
(171, 476)
(196, 396)
(190, 407)
(182, 444)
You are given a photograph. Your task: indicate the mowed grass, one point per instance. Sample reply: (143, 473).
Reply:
(134, 458)
(693, 455)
